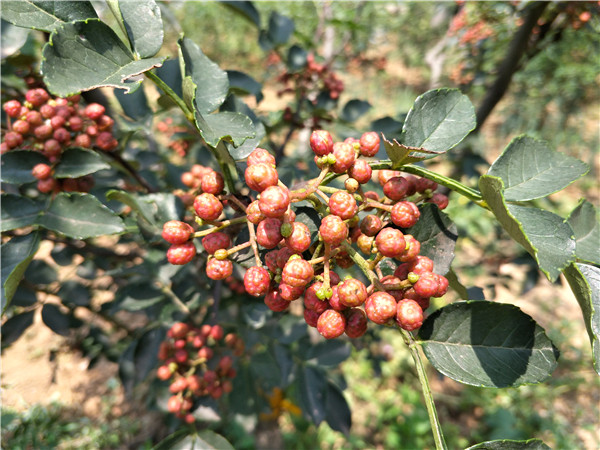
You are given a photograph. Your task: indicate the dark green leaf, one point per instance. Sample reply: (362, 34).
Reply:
(354, 109)
(297, 58)
(170, 73)
(86, 55)
(508, 444)
(63, 254)
(16, 255)
(280, 28)
(18, 212)
(228, 126)
(310, 218)
(17, 165)
(243, 84)
(14, 327)
(329, 353)
(256, 314)
(46, 15)
(199, 71)
(80, 216)
(76, 162)
(127, 368)
(546, 236)
(312, 387)
(530, 169)
(170, 442)
(40, 272)
(24, 296)
(13, 39)
(245, 9)
(74, 293)
(134, 104)
(54, 319)
(388, 126)
(487, 344)
(143, 23)
(584, 280)
(242, 151)
(584, 222)
(338, 415)
(146, 351)
(439, 120)
(437, 234)
(264, 367)
(138, 296)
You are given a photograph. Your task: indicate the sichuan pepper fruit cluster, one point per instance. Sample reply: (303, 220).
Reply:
(198, 362)
(49, 125)
(356, 227)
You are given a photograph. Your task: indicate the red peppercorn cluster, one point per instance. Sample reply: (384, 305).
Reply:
(197, 362)
(49, 125)
(295, 265)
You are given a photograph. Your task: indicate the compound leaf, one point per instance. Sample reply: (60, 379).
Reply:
(530, 169)
(487, 344)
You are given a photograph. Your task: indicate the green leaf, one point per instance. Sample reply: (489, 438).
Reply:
(245, 9)
(439, 120)
(138, 296)
(487, 344)
(80, 216)
(54, 319)
(312, 386)
(387, 126)
(339, 416)
(86, 55)
(309, 217)
(354, 110)
(13, 39)
(17, 165)
(16, 255)
(134, 104)
(143, 23)
(14, 327)
(18, 212)
(546, 236)
(437, 234)
(329, 353)
(508, 444)
(199, 71)
(530, 169)
(242, 151)
(243, 84)
(204, 440)
(229, 126)
(280, 28)
(584, 280)
(401, 154)
(74, 293)
(584, 222)
(39, 272)
(297, 58)
(76, 162)
(46, 15)
(145, 354)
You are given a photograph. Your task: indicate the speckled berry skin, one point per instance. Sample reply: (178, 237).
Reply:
(344, 157)
(334, 300)
(37, 97)
(405, 214)
(311, 301)
(439, 199)
(427, 285)
(380, 307)
(260, 176)
(343, 205)
(257, 281)
(290, 293)
(12, 108)
(268, 233)
(311, 317)
(333, 230)
(212, 183)
(179, 254)
(392, 280)
(413, 247)
(442, 285)
(423, 184)
(409, 314)
(207, 206)
(283, 255)
(42, 171)
(361, 171)
(390, 242)
(275, 303)
(94, 111)
(383, 176)
(356, 323)
(331, 324)
(369, 143)
(321, 142)
(260, 155)
(421, 264)
(219, 269)
(365, 244)
(216, 241)
(274, 201)
(176, 232)
(352, 292)
(370, 225)
(395, 188)
(297, 272)
(299, 241)
(253, 213)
